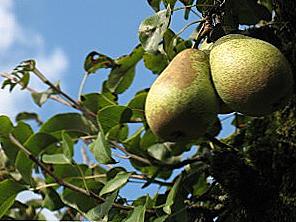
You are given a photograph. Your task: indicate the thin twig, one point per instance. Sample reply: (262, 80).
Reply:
(61, 181)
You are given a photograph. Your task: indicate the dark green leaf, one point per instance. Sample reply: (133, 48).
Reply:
(6, 126)
(95, 61)
(266, 3)
(102, 150)
(138, 215)
(101, 211)
(152, 29)
(52, 200)
(188, 9)
(73, 123)
(204, 5)
(148, 140)
(200, 186)
(240, 121)
(25, 80)
(171, 196)
(121, 76)
(28, 116)
(36, 144)
(95, 101)
(21, 132)
(8, 190)
(155, 4)
(111, 116)
(117, 182)
(170, 2)
(156, 62)
(133, 142)
(137, 104)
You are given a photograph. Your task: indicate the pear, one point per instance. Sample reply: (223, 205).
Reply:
(181, 104)
(251, 76)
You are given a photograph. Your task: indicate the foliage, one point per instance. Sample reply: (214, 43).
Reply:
(248, 176)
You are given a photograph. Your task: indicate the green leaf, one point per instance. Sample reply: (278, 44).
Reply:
(73, 123)
(101, 211)
(52, 200)
(121, 76)
(267, 4)
(249, 12)
(36, 144)
(58, 158)
(21, 132)
(148, 139)
(95, 61)
(28, 116)
(152, 29)
(67, 146)
(161, 219)
(155, 4)
(133, 142)
(111, 116)
(156, 62)
(188, 9)
(171, 196)
(117, 182)
(95, 101)
(102, 150)
(201, 186)
(8, 190)
(41, 97)
(137, 104)
(118, 133)
(6, 126)
(138, 215)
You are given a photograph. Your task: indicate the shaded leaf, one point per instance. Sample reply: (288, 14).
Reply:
(28, 116)
(101, 211)
(267, 4)
(156, 62)
(95, 61)
(111, 116)
(171, 196)
(117, 182)
(41, 97)
(137, 104)
(8, 190)
(52, 200)
(102, 150)
(188, 9)
(155, 4)
(118, 133)
(161, 219)
(152, 29)
(133, 142)
(138, 215)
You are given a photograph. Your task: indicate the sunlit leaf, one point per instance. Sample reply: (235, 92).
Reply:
(6, 126)
(152, 29)
(156, 62)
(58, 158)
(117, 182)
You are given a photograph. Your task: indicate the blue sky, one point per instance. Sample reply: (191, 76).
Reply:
(58, 34)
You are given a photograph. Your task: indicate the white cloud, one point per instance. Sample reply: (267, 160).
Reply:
(19, 43)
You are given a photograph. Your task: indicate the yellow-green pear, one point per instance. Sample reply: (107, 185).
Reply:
(251, 76)
(181, 104)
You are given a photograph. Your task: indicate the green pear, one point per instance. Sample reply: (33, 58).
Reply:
(251, 76)
(181, 104)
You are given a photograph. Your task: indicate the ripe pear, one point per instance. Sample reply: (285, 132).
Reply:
(251, 76)
(181, 104)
